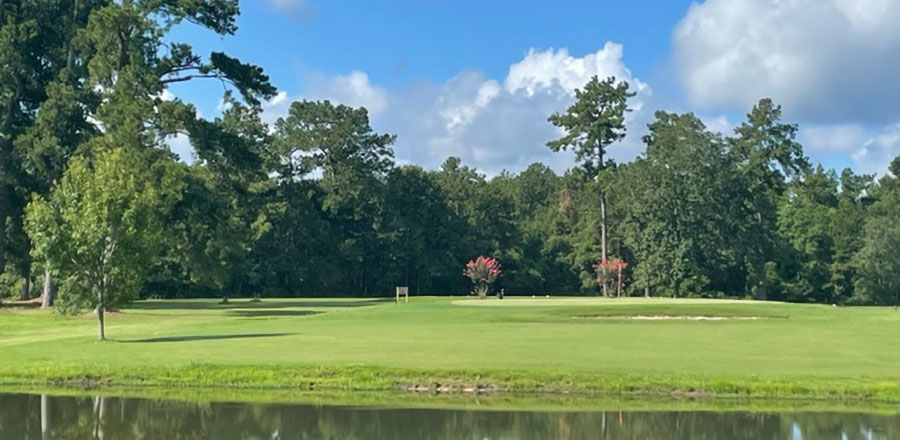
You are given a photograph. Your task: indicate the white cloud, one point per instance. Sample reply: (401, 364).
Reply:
(879, 151)
(494, 127)
(181, 145)
(473, 118)
(718, 124)
(166, 95)
(541, 70)
(353, 89)
(297, 9)
(825, 60)
(837, 138)
(490, 124)
(868, 150)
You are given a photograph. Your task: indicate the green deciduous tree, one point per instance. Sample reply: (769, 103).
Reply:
(219, 216)
(878, 261)
(354, 161)
(685, 205)
(99, 228)
(420, 231)
(72, 69)
(805, 221)
(41, 100)
(767, 153)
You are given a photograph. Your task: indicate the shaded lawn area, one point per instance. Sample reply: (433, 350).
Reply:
(546, 336)
(207, 337)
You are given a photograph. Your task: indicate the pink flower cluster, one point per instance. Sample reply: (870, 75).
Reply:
(606, 267)
(609, 274)
(482, 270)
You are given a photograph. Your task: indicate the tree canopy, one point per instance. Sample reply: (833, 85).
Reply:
(314, 204)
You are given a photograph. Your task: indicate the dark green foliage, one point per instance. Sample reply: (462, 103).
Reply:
(594, 122)
(682, 205)
(315, 204)
(81, 77)
(878, 262)
(766, 154)
(100, 227)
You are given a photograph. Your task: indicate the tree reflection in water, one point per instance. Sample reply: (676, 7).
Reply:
(24, 416)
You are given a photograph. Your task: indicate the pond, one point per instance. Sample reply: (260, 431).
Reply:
(41, 416)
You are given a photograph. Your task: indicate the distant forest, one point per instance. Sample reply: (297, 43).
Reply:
(92, 200)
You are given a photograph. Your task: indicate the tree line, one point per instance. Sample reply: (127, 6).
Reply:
(93, 203)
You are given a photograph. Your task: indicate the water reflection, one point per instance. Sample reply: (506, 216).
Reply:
(24, 416)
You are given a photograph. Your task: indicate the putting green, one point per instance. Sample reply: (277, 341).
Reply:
(543, 301)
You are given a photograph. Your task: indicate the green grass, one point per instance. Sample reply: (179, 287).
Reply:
(560, 345)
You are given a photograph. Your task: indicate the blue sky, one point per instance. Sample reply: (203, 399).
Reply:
(477, 79)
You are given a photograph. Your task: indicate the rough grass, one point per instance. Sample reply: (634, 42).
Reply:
(446, 344)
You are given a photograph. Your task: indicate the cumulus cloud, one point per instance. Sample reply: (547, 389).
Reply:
(878, 151)
(826, 61)
(837, 138)
(541, 70)
(496, 125)
(353, 89)
(473, 118)
(491, 124)
(869, 151)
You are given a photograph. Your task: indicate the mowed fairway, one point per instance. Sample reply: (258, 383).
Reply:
(582, 337)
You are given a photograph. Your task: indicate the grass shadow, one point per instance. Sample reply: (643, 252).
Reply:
(21, 305)
(206, 337)
(245, 304)
(343, 304)
(271, 313)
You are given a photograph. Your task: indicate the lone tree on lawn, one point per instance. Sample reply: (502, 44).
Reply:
(595, 121)
(483, 271)
(99, 229)
(609, 272)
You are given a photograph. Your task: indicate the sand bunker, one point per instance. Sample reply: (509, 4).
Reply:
(650, 317)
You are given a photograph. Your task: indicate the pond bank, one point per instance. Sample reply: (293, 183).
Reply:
(293, 379)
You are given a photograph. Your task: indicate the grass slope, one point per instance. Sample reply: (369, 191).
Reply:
(519, 344)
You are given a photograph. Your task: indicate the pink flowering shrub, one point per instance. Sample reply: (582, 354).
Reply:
(609, 272)
(483, 271)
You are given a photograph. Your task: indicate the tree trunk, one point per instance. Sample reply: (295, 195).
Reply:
(26, 287)
(365, 284)
(677, 287)
(3, 205)
(603, 235)
(761, 291)
(45, 417)
(49, 290)
(70, 58)
(647, 291)
(101, 334)
(619, 285)
(99, 413)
